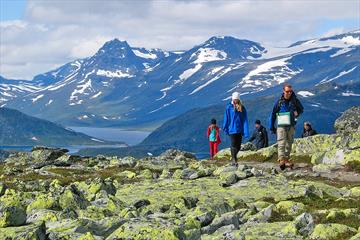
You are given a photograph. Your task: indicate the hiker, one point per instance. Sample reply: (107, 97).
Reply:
(235, 125)
(259, 135)
(213, 135)
(286, 111)
(308, 130)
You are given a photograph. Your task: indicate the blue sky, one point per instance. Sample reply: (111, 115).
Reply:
(39, 35)
(12, 9)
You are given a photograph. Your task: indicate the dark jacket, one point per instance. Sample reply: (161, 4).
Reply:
(235, 122)
(261, 138)
(284, 105)
(308, 133)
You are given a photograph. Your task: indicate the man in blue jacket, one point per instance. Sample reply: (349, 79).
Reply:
(286, 111)
(235, 124)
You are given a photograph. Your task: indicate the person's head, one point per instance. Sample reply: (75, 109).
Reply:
(287, 90)
(257, 124)
(213, 122)
(235, 97)
(307, 126)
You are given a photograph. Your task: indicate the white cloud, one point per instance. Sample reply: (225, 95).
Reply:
(53, 32)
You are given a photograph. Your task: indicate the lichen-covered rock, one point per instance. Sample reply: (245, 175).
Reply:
(337, 214)
(146, 174)
(147, 229)
(2, 188)
(304, 224)
(72, 198)
(127, 162)
(290, 208)
(355, 191)
(91, 187)
(230, 218)
(263, 231)
(349, 121)
(42, 215)
(43, 201)
(127, 174)
(263, 216)
(44, 154)
(332, 231)
(12, 216)
(28, 232)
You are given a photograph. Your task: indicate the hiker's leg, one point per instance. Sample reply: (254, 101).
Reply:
(281, 141)
(211, 149)
(289, 141)
(215, 150)
(233, 148)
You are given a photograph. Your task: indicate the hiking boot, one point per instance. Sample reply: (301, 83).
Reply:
(234, 157)
(282, 164)
(289, 164)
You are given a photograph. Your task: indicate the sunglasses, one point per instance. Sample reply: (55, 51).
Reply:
(288, 91)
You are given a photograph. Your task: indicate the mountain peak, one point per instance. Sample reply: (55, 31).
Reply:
(233, 47)
(115, 45)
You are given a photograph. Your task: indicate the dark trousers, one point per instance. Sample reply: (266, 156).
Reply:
(235, 145)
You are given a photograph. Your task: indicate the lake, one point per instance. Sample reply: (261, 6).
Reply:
(110, 134)
(114, 134)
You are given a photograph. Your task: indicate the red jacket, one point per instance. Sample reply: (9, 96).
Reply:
(218, 140)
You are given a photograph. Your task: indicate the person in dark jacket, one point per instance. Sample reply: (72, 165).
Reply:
(260, 136)
(285, 111)
(235, 124)
(308, 130)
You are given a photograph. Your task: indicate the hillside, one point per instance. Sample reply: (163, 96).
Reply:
(18, 129)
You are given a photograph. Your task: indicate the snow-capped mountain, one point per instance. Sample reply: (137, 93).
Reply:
(11, 89)
(123, 85)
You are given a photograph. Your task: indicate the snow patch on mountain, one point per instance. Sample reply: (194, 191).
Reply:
(145, 55)
(207, 55)
(96, 95)
(49, 102)
(37, 98)
(345, 42)
(218, 76)
(110, 74)
(163, 106)
(305, 93)
(79, 90)
(188, 73)
(350, 94)
(272, 72)
(336, 77)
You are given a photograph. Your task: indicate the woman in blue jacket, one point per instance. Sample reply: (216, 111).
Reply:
(235, 124)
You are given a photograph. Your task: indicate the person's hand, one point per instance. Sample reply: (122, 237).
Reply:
(296, 114)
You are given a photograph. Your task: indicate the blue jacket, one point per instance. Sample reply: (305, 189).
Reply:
(283, 105)
(235, 122)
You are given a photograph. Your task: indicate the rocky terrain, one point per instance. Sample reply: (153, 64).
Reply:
(48, 194)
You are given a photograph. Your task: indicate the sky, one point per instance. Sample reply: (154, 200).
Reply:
(37, 36)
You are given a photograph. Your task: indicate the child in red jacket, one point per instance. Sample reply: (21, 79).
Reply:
(213, 135)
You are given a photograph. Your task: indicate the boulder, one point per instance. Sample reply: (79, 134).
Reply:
(12, 216)
(349, 121)
(304, 224)
(33, 231)
(45, 154)
(332, 231)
